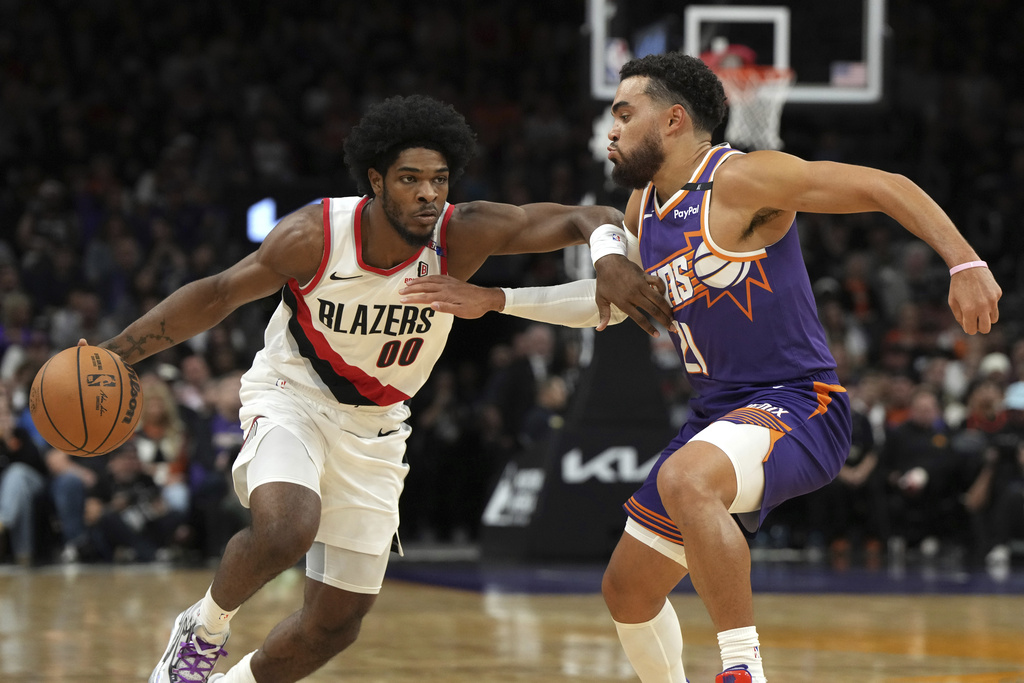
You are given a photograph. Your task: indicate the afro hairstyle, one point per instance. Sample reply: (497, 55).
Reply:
(678, 78)
(399, 123)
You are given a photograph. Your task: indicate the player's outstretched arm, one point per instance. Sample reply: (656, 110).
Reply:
(481, 229)
(293, 249)
(571, 304)
(785, 182)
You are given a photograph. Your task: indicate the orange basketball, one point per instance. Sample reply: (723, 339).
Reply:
(85, 401)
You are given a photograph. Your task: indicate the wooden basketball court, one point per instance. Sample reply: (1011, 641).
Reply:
(110, 624)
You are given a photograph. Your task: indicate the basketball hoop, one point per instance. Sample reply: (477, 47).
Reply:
(755, 95)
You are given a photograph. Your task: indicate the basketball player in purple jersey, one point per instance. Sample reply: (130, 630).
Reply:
(324, 407)
(771, 421)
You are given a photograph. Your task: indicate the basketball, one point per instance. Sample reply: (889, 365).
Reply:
(85, 401)
(716, 272)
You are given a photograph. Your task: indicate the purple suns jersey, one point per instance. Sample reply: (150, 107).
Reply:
(745, 318)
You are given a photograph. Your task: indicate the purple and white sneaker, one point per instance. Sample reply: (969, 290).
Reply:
(191, 653)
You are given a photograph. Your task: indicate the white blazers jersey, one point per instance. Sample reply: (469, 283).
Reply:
(345, 336)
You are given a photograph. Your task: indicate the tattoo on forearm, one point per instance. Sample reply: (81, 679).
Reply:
(136, 347)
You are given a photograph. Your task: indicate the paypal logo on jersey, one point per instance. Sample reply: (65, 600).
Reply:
(686, 213)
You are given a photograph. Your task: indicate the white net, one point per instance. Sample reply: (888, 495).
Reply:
(755, 97)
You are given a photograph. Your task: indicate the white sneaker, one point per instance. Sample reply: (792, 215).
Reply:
(190, 655)
(216, 677)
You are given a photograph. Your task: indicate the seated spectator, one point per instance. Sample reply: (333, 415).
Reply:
(22, 482)
(1005, 520)
(978, 446)
(81, 318)
(71, 479)
(190, 390)
(1007, 513)
(126, 514)
(850, 512)
(547, 416)
(922, 478)
(162, 439)
(216, 513)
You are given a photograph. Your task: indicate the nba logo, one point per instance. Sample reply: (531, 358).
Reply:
(423, 269)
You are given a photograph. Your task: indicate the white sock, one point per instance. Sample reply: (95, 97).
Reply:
(241, 672)
(655, 648)
(740, 646)
(213, 617)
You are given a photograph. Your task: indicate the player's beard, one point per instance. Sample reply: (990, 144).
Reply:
(637, 168)
(394, 216)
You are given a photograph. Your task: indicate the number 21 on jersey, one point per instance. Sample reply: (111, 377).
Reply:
(679, 288)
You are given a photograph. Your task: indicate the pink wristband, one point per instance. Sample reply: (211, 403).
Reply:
(964, 266)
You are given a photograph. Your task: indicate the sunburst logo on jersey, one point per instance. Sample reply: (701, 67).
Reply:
(712, 278)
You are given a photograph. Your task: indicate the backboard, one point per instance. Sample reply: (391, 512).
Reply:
(835, 48)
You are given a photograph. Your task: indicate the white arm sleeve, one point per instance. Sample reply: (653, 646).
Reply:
(571, 304)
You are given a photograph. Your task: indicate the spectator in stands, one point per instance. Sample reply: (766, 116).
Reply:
(162, 441)
(215, 512)
(81, 316)
(192, 389)
(16, 333)
(850, 512)
(126, 514)
(1006, 514)
(22, 485)
(513, 390)
(920, 471)
(548, 415)
(71, 479)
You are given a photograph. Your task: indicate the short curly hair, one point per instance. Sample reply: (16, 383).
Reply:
(677, 78)
(398, 123)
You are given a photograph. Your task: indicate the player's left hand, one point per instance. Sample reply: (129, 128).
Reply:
(974, 299)
(623, 283)
(447, 294)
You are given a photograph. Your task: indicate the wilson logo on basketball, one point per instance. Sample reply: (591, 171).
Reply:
(133, 403)
(100, 381)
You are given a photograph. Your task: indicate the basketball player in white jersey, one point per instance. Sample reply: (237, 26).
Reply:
(324, 407)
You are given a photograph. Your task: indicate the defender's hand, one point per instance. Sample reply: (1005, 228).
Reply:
(974, 299)
(623, 283)
(446, 294)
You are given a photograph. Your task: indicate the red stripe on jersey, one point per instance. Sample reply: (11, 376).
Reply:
(368, 386)
(444, 238)
(327, 249)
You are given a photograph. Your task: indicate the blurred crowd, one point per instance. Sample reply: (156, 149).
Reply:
(134, 135)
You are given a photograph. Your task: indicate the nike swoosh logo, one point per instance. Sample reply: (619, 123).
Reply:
(648, 215)
(334, 276)
(381, 432)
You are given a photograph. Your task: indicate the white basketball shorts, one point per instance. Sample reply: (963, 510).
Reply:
(356, 453)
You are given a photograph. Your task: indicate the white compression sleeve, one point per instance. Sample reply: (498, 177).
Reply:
(571, 304)
(655, 648)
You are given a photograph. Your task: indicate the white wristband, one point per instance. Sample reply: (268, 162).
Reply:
(607, 239)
